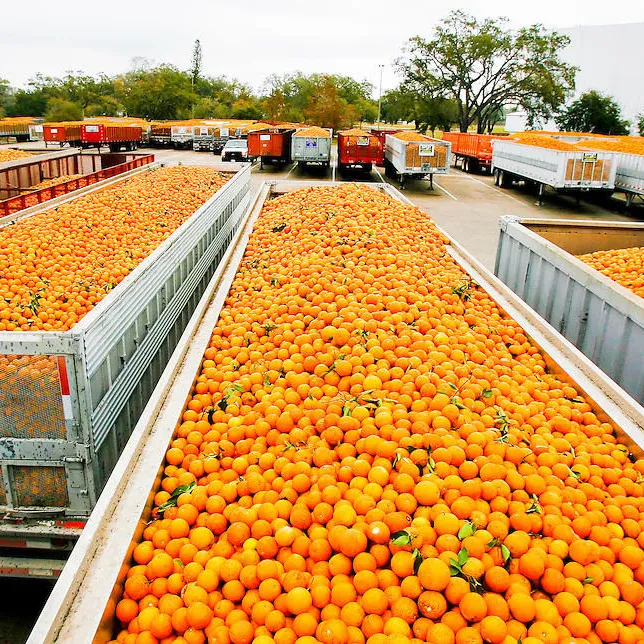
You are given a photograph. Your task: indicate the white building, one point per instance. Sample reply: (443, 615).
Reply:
(610, 61)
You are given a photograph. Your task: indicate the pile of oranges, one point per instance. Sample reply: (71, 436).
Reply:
(11, 154)
(411, 136)
(623, 265)
(54, 181)
(313, 131)
(374, 452)
(56, 265)
(545, 141)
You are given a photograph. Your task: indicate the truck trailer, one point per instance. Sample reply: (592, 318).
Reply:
(20, 180)
(113, 136)
(565, 170)
(536, 259)
(312, 145)
(82, 606)
(62, 134)
(411, 155)
(359, 150)
(473, 150)
(271, 145)
(92, 382)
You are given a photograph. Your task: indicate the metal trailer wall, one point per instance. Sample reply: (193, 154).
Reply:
(92, 382)
(599, 316)
(558, 169)
(17, 176)
(629, 176)
(81, 608)
(311, 149)
(181, 135)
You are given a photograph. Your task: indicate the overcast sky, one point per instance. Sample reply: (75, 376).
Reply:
(249, 39)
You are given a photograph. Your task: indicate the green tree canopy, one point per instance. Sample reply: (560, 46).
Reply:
(640, 124)
(426, 112)
(483, 66)
(163, 92)
(59, 109)
(593, 112)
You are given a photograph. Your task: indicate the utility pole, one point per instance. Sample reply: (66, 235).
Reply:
(380, 94)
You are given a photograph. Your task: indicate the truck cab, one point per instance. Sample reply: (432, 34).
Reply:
(235, 150)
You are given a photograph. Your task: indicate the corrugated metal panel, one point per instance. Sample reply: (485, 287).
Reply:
(598, 316)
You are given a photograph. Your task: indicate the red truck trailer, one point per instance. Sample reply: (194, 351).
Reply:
(473, 150)
(114, 136)
(358, 149)
(62, 134)
(271, 145)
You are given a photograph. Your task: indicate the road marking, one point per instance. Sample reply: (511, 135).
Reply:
(379, 175)
(501, 192)
(447, 192)
(291, 170)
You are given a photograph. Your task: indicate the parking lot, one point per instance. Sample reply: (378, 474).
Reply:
(466, 206)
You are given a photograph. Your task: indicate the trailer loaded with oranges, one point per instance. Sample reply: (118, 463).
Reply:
(364, 436)
(95, 292)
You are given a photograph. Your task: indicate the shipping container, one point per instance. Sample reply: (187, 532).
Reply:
(562, 170)
(62, 133)
(181, 136)
(82, 605)
(536, 259)
(93, 381)
(114, 136)
(270, 145)
(19, 178)
(417, 158)
(473, 150)
(359, 150)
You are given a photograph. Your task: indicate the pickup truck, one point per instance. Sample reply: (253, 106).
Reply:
(235, 150)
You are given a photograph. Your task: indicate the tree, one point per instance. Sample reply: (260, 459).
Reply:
(163, 92)
(427, 112)
(59, 109)
(327, 108)
(484, 66)
(195, 69)
(297, 97)
(593, 112)
(640, 124)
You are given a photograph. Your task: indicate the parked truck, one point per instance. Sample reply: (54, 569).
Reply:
(271, 145)
(565, 170)
(312, 145)
(80, 392)
(412, 155)
(114, 136)
(21, 181)
(359, 150)
(82, 606)
(474, 151)
(62, 134)
(536, 259)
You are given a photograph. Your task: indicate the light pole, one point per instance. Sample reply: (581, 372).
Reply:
(380, 94)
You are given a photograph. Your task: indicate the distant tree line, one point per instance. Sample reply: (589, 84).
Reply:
(162, 91)
(468, 74)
